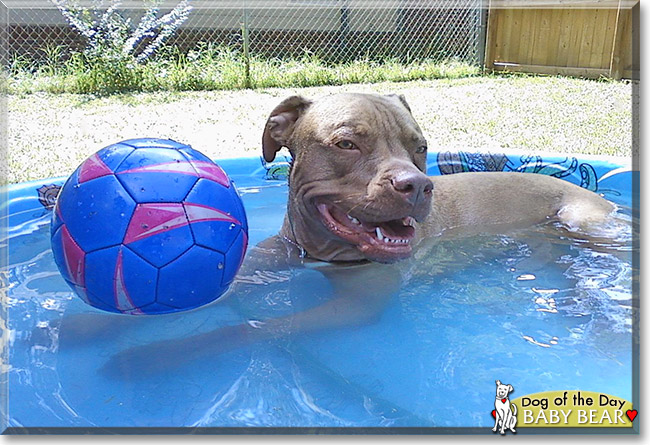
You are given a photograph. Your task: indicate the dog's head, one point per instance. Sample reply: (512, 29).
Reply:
(357, 184)
(503, 390)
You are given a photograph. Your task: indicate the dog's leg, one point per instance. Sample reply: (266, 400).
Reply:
(505, 418)
(542, 252)
(513, 418)
(361, 293)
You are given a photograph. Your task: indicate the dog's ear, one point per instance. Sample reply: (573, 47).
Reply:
(498, 382)
(510, 388)
(402, 99)
(280, 124)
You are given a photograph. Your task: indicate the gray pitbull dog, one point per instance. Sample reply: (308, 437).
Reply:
(358, 189)
(359, 201)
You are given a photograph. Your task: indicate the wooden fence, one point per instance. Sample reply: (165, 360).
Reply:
(590, 39)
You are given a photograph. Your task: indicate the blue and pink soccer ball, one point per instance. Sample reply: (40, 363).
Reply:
(149, 226)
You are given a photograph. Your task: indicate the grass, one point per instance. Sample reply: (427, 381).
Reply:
(50, 134)
(63, 110)
(211, 68)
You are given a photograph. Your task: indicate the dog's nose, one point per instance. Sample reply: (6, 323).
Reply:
(413, 185)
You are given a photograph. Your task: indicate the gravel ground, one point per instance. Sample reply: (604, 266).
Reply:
(49, 135)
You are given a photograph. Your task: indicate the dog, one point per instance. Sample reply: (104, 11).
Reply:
(505, 417)
(359, 192)
(360, 202)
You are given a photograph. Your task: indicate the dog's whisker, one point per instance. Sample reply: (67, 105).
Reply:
(354, 207)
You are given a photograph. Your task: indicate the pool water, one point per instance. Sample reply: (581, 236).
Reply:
(530, 308)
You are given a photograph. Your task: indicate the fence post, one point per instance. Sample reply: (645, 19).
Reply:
(398, 40)
(482, 37)
(246, 48)
(4, 39)
(490, 37)
(4, 162)
(344, 31)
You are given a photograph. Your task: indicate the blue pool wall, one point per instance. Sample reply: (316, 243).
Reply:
(612, 177)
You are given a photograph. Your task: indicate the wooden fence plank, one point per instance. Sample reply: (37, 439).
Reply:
(543, 45)
(505, 34)
(586, 39)
(554, 28)
(515, 46)
(564, 34)
(608, 40)
(528, 43)
(574, 39)
(599, 38)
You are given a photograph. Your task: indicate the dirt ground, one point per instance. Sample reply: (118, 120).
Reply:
(49, 135)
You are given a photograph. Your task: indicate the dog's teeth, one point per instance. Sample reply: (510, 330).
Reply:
(394, 241)
(387, 240)
(353, 219)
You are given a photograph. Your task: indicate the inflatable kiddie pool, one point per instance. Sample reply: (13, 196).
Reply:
(506, 307)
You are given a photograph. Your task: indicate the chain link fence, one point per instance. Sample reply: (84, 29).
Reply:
(332, 30)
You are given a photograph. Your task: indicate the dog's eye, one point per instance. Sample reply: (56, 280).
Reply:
(421, 149)
(346, 145)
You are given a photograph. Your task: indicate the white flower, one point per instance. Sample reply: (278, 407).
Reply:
(111, 35)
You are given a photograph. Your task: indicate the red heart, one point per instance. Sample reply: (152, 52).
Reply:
(631, 414)
(503, 400)
(494, 413)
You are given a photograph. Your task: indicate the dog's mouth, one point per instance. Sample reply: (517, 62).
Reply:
(383, 241)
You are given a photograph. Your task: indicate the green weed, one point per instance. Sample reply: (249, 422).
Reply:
(211, 68)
